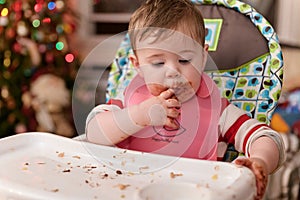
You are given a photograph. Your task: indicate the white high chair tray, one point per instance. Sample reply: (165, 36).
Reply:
(47, 166)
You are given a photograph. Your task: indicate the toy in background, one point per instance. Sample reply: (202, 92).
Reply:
(294, 102)
(49, 99)
(286, 118)
(285, 183)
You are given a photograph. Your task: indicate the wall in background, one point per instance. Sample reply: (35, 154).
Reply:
(287, 22)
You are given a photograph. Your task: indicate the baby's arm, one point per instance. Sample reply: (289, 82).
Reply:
(263, 147)
(115, 125)
(264, 158)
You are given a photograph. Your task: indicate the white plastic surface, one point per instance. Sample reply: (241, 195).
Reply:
(46, 166)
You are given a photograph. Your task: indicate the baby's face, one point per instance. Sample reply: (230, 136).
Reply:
(163, 70)
(175, 63)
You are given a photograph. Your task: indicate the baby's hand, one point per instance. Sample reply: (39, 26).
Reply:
(161, 110)
(258, 167)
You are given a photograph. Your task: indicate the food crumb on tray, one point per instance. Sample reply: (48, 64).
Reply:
(55, 190)
(61, 154)
(105, 175)
(174, 175)
(144, 168)
(78, 157)
(214, 177)
(122, 186)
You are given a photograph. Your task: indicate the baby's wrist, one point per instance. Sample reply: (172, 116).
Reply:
(126, 123)
(260, 162)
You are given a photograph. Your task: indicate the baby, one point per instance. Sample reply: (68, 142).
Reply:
(172, 107)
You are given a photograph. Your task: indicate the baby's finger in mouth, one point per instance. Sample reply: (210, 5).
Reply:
(167, 94)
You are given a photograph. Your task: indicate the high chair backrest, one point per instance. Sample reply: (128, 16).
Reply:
(245, 49)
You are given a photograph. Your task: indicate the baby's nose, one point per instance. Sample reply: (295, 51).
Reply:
(172, 72)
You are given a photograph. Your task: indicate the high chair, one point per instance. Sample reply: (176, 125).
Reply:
(247, 53)
(246, 50)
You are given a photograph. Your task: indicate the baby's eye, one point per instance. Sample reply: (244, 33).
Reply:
(184, 61)
(158, 64)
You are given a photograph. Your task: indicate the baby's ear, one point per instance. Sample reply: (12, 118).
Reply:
(206, 47)
(133, 59)
(205, 54)
(135, 62)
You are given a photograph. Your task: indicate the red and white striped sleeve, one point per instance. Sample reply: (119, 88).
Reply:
(237, 128)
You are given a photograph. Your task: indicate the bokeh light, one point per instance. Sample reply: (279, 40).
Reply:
(59, 46)
(4, 12)
(36, 23)
(51, 5)
(69, 57)
(59, 28)
(38, 7)
(60, 4)
(47, 20)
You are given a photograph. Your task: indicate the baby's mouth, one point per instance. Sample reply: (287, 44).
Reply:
(178, 90)
(182, 91)
(179, 87)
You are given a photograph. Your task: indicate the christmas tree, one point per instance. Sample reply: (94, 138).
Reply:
(37, 67)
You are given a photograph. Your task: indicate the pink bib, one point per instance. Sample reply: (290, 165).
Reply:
(197, 136)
